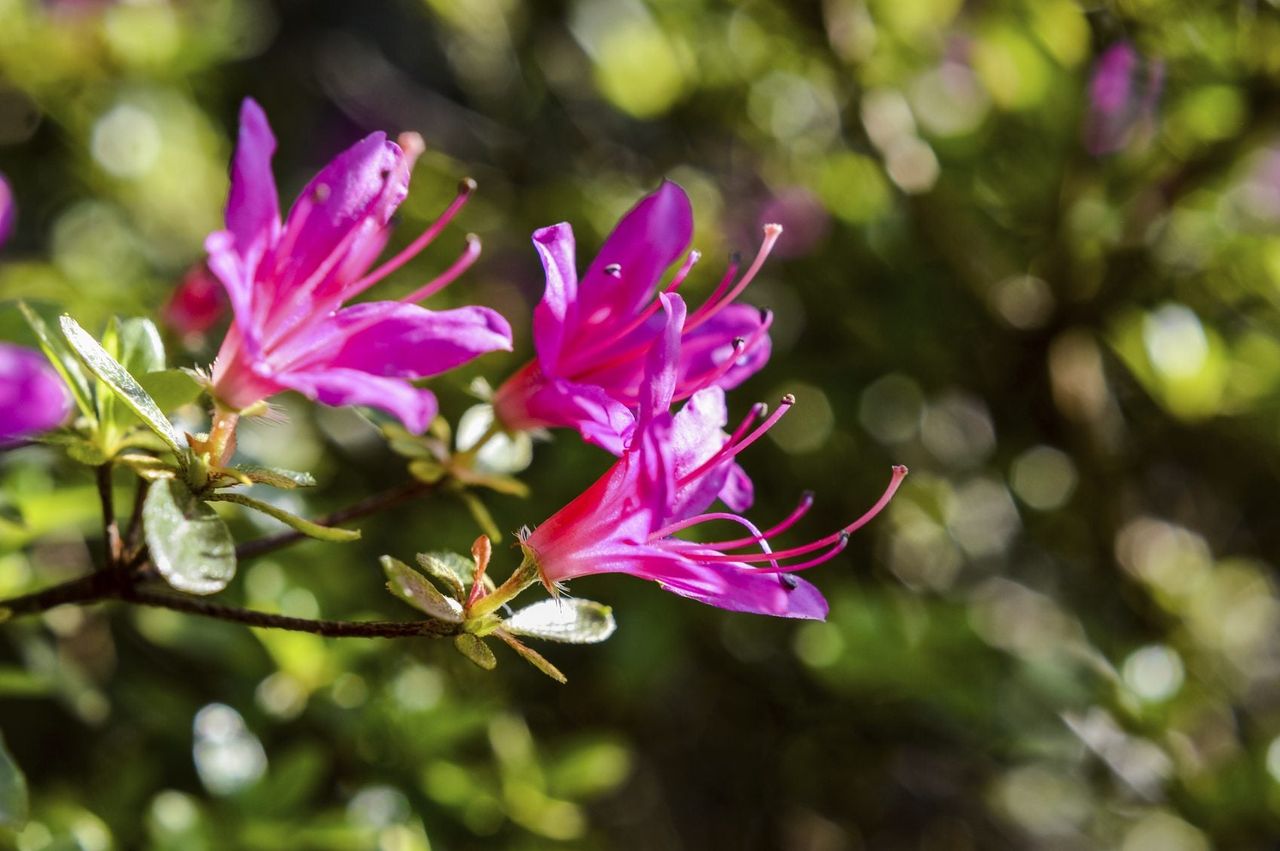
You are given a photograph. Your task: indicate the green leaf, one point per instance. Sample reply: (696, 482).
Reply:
(63, 360)
(171, 388)
(565, 619)
(139, 348)
(427, 470)
(453, 571)
(119, 381)
(13, 791)
(533, 657)
(334, 534)
(413, 588)
(190, 544)
(276, 477)
(475, 650)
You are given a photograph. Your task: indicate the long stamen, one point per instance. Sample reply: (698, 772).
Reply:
(692, 385)
(667, 531)
(899, 473)
(759, 409)
(806, 502)
(465, 190)
(708, 310)
(836, 549)
(735, 262)
(464, 262)
(729, 450)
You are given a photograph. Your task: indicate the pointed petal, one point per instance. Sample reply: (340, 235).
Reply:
(662, 363)
(227, 265)
(33, 398)
(337, 387)
(392, 338)
(707, 346)
(558, 308)
(253, 208)
(699, 434)
(646, 241)
(739, 492)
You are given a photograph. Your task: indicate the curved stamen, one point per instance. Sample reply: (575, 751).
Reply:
(465, 190)
(677, 543)
(464, 262)
(899, 473)
(835, 550)
(729, 450)
(806, 502)
(708, 310)
(692, 385)
(759, 409)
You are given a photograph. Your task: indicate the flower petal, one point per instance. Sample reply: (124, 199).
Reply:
(646, 241)
(337, 387)
(33, 397)
(392, 338)
(662, 362)
(598, 417)
(707, 346)
(559, 300)
(253, 208)
(228, 267)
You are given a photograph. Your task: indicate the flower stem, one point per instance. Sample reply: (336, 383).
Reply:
(111, 529)
(523, 576)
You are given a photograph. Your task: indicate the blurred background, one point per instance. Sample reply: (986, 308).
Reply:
(1032, 250)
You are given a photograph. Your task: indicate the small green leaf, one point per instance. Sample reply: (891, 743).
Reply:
(119, 381)
(413, 588)
(13, 791)
(63, 360)
(565, 619)
(276, 477)
(475, 650)
(139, 348)
(533, 657)
(333, 534)
(453, 571)
(190, 544)
(171, 388)
(427, 470)
(480, 513)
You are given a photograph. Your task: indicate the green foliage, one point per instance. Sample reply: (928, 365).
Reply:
(190, 544)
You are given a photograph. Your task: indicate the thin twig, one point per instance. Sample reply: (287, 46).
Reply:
(266, 620)
(134, 532)
(111, 530)
(363, 508)
(86, 589)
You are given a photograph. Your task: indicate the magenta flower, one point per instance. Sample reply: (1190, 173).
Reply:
(32, 396)
(591, 336)
(1122, 99)
(287, 283)
(626, 522)
(195, 306)
(8, 210)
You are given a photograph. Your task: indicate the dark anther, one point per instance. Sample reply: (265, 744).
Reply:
(613, 270)
(788, 581)
(764, 314)
(466, 186)
(739, 342)
(735, 258)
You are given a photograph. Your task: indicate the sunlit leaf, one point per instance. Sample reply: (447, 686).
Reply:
(452, 570)
(276, 477)
(13, 790)
(566, 619)
(475, 650)
(122, 384)
(533, 657)
(333, 534)
(413, 588)
(190, 544)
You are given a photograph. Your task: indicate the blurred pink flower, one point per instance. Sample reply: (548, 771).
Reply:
(626, 522)
(802, 214)
(8, 210)
(287, 284)
(591, 336)
(32, 396)
(196, 305)
(1122, 99)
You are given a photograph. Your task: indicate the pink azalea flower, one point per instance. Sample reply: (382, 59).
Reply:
(591, 336)
(195, 306)
(8, 210)
(626, 522)
(287, 283)
(32, 396)
(1122, 99)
